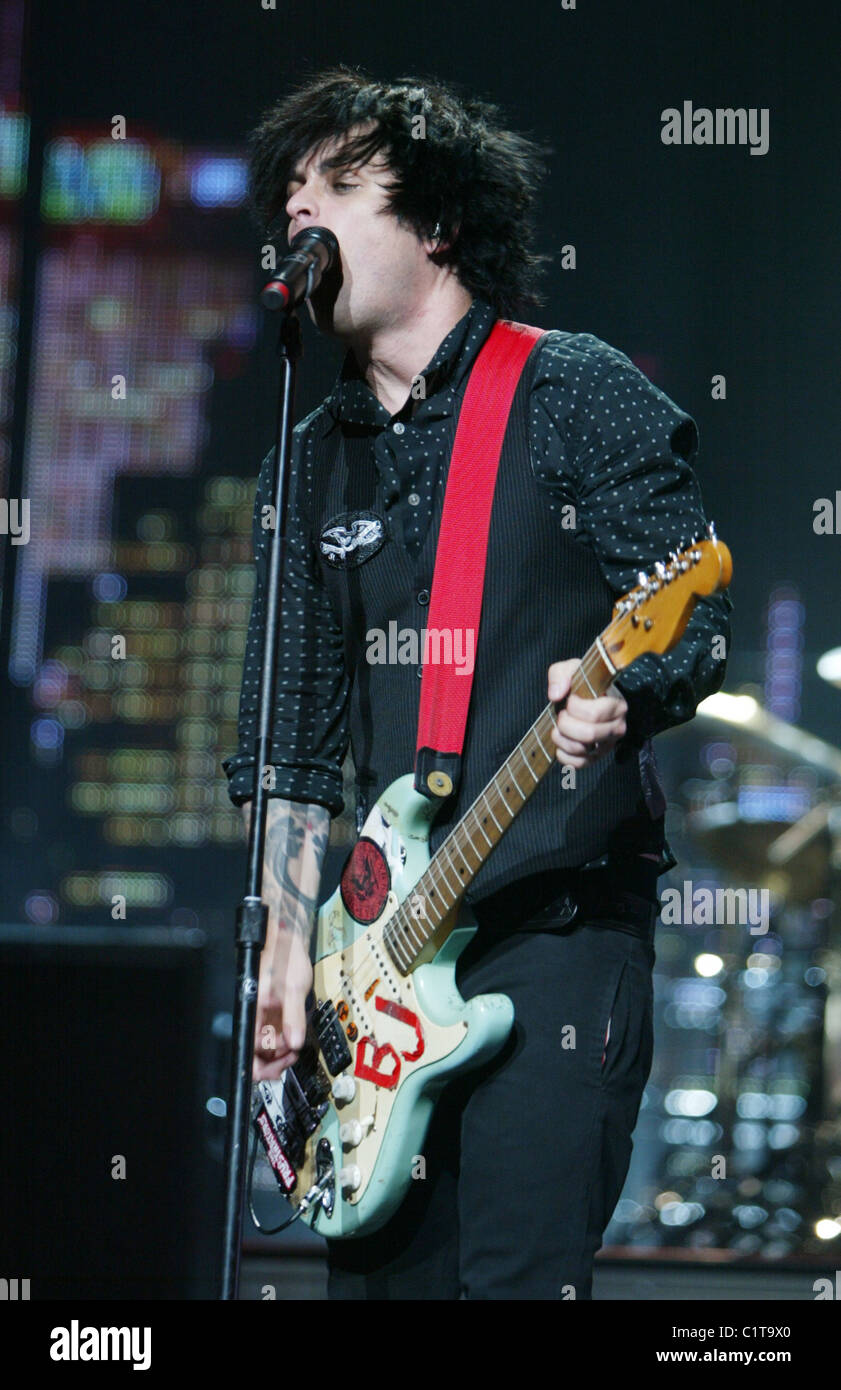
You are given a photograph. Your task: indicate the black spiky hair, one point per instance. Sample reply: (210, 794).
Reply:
(451, 162)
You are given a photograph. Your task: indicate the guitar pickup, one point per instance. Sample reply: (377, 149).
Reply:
(331, 1038)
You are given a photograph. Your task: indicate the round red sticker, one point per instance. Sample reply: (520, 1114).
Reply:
(365, 881)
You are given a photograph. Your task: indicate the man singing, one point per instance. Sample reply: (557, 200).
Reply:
(432, 200)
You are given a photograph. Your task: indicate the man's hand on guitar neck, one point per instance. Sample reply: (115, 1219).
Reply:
(585, 729)
(296, 841)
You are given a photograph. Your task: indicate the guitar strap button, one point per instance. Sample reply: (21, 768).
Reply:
(440, 783)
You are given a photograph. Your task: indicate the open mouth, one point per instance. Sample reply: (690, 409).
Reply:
(329, 285)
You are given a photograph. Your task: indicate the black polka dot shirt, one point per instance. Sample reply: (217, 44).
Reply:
(603, 440)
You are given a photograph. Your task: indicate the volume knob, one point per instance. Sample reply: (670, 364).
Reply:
(344, 1089)
(350, 1177)
(351, 1133)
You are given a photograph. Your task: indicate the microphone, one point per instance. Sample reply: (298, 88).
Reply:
(312, 252)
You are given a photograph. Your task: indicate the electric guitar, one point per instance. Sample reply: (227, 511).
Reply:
(344, 1126)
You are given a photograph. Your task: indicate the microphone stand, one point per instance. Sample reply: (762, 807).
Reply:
(252, 913)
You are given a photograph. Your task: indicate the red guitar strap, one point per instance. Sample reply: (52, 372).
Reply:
(458, 580)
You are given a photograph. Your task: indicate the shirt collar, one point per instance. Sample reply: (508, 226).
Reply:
(353, 400)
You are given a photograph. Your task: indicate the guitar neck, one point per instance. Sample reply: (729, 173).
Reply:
(650, 618)
(427, 912)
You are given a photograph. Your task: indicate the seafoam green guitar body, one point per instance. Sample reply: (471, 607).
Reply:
(406, 1034)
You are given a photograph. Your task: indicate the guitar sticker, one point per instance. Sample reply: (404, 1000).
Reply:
(403, 1015)
(365, 881)
(380, 1075)
(285, 1173)
(384, 1067)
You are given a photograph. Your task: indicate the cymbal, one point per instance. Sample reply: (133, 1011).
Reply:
(746, 713)
(741, 848)
(740, 844)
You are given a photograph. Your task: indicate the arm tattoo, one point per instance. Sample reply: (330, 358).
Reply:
(296, 841)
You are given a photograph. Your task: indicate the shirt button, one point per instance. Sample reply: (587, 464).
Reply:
(420, 673)
(399, 427)
(413, 499)
(423, 596)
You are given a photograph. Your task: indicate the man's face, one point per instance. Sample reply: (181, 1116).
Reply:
(384, 269)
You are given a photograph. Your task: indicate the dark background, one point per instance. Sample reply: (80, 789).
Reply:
(705, 258)
(694, 260)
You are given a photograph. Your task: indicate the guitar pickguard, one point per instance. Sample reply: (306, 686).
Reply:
(404, 1034)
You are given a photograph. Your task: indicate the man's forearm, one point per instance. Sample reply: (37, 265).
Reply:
(296, 842)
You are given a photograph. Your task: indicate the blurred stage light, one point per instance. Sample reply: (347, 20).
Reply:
(218, 181)
(14, 150)
(708, 965)
(735, 709)
(690, 1102)
(99, 181)
(829, 666)
(827, 1228)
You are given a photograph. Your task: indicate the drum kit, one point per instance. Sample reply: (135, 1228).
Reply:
(753, 800)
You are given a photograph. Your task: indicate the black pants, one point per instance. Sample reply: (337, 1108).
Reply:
(526, 1156)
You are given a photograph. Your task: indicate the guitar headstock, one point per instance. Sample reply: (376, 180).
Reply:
(652, 617)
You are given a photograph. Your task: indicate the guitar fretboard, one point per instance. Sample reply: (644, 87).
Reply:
(651, 617)
(457, 861)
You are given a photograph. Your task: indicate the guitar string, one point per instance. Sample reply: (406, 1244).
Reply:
(434, 873)
(590, 663)
(395, 932)
(594, 659)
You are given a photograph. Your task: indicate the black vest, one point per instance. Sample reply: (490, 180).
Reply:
(545, 600)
